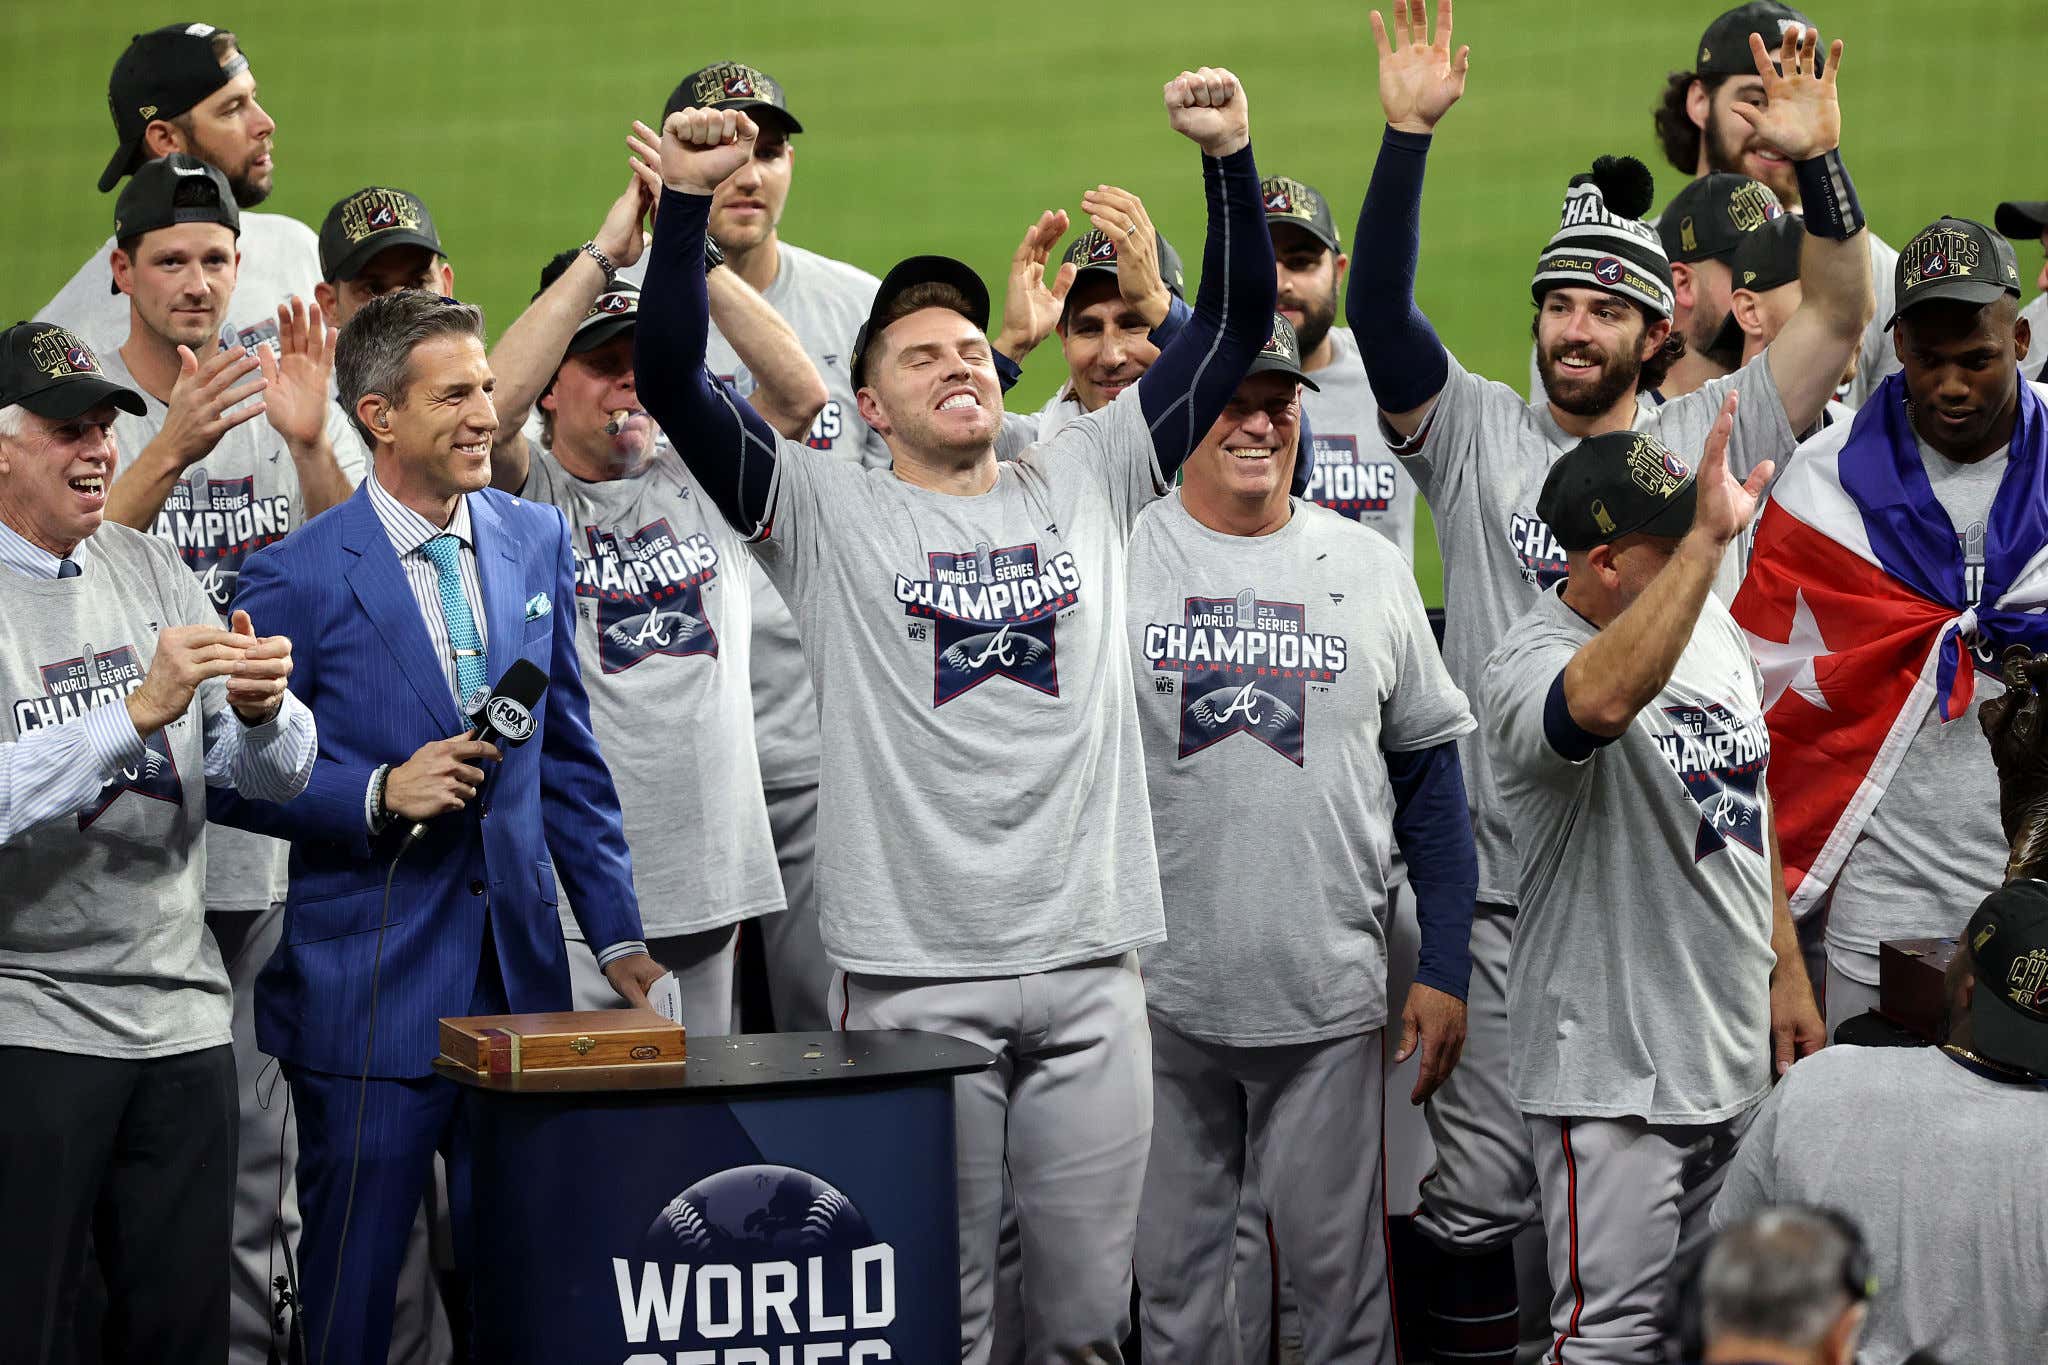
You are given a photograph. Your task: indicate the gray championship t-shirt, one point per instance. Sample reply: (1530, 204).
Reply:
(1353, 474)
(1639, 981)
(981, 808)
(280, 258)
(102, 946)
(242, 496)
(1933, 848)
(662, 634)
(1480, 459)
(1270, 673)
(824, 302)
(1941, 1168)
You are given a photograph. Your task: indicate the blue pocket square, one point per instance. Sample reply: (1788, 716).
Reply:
(538, 606)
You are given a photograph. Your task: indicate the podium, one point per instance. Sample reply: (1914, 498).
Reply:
(778, 1198)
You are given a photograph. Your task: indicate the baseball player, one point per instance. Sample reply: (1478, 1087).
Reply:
(662, 602)
(231, 452)
(1351, 471)
(1701, 228)
(1117, 299)
(1282, 663)
(1479, 454)
(188, 88)
(1702, 127)
(986, 865)
(824, 301)
(2027, 221)
(1937, 1150)
(1655, 969)
(1931, 842)
(1764, 293)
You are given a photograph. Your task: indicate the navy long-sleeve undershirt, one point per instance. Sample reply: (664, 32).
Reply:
(1404, 358)
(1434, 832)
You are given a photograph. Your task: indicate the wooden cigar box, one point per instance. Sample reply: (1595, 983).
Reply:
(1909, 984)
(503, 1044)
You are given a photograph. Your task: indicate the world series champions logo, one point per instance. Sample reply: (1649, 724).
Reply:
(991, 613)
(649, 592)
(71, 687)
(1721, 760)
(1245, 666)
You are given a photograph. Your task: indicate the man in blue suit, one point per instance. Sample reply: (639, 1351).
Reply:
(412, 599)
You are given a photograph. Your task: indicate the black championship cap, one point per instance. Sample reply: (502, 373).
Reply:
(49, 371)
(1096, 250)
(1601, 241)
(2008, 944)
(1281, 355)
(1724, 48)
(905, 275)
(611, 313)
(1768, 258)
(162, 74)
(1295, 204)
(369, 221)
(732, 85)
(1621, 483)
(1705, 220)
(175, 189)
(1953, 258)
(2025, 219)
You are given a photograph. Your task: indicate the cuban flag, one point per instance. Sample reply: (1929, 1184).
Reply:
(1856, 611)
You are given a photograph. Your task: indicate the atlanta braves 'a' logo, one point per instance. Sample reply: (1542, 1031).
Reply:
(1721, 759)
(649, 591)
(993, 613)
(71, 687)
(215, 524)
(1245, 667)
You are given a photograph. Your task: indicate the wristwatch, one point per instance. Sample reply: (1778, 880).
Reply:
(604, 262)
(714, 255)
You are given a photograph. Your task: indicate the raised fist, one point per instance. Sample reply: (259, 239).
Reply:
(701, 147)
(1208, 107)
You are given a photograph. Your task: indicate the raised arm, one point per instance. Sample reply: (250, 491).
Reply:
(1187, 386)
(1802, 118)
(527, 356)
(296, 375)
(1419, 82)
(1621, 670)
(728, 446)
(208, 400)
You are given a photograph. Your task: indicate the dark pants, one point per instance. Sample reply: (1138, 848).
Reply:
(139, 1158)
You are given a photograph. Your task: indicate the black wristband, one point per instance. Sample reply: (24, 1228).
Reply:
(714, 254)
(1829, 197)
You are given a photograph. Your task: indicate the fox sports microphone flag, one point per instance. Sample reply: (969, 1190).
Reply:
(1862, 612)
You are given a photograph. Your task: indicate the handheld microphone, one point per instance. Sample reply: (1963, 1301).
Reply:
(506, 716)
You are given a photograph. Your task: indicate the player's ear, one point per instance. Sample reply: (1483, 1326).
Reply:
(2022, 338)
(1699, 105)
(329, 299)
(124, 271)
(1655, 334)
(1343, 264)
(870, 408)
(160, 138)
(1681, 284)
(1742, 303)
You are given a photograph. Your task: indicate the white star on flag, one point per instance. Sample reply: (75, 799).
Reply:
(1789, 666)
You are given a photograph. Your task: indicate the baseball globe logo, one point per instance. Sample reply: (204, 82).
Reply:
(1608, 270)
(767, 1257)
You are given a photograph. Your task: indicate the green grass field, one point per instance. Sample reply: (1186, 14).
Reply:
(947, 128)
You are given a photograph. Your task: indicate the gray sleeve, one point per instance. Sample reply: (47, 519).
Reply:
(1426, 707)
(1762, 431)
(1517, 694)
(1876, 357)
(1441, 453)
(1751, 1184)
(1019, 431)
(1114, 445)
(794, 532)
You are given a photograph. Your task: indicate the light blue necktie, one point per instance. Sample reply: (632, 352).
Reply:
(470, 682)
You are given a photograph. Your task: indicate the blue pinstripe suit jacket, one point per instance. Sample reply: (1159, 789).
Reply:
(362, 660)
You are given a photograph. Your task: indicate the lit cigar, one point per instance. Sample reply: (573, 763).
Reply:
(618, 422)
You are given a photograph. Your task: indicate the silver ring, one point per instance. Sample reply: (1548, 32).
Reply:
(1130, 229)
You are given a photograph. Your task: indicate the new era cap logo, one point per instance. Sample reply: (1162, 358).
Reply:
(59, 354)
